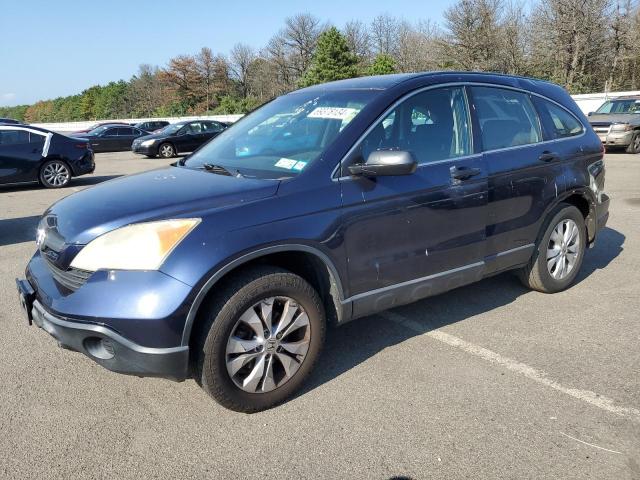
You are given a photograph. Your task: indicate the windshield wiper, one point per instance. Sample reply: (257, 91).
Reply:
(220, 170)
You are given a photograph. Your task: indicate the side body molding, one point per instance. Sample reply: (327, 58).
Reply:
(193, 310)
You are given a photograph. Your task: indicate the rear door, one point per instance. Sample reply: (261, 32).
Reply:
(126, 136)
(107, 141)
(411, 236)
(20, 154)
(525, 174)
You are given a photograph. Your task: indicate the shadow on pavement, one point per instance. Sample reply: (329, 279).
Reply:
(18, 230)
(83, 181)
(361, 339)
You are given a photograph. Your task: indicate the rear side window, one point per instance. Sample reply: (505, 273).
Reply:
(35, 138)
(558, 121)
(507, 118)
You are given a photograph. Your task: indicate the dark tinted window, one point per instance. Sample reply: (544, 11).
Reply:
(507, 118)
(13, 137)
(211, 127)
(35, 138)
(125, 131)
(560, 122)
(194, 127)
(433, 125)
(111, 132)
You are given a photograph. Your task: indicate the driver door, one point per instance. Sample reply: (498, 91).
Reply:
(411, 236)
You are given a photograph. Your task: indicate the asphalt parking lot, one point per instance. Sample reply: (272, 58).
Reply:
(487, 381)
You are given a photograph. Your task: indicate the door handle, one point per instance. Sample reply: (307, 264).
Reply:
(464, 173)
(548, 156)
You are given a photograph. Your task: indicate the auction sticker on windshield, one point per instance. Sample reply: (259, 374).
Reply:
(333, 113)
(287, 163)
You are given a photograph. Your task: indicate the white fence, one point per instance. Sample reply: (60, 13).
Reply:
(75, 126)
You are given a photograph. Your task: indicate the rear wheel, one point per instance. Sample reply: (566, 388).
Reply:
(55, 174)
(260, 340)
(559, 253)
(634, 146)
(166, 150)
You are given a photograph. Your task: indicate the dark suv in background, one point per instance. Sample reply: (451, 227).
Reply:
(327, 204)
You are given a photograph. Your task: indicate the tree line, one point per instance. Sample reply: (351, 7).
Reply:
(584, 45)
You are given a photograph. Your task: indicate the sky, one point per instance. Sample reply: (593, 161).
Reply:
(53, 48)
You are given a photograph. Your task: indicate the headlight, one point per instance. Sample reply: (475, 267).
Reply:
(621, 127)
(141, 246)
(148, 143)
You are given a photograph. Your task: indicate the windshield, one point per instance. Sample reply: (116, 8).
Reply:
(171, 129)
(283, 137)
(98, 130)
(620, 106)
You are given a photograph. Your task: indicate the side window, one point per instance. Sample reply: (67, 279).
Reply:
(35, 138)
(560, 122)
(507, 118)
(111, 132)
(432, 125)
(14, 137)
(126, 131)
(195, 127)
(211, 126)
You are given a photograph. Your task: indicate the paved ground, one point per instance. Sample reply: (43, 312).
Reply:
(488, 381)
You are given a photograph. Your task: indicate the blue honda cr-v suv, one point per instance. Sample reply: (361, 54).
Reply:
(326, 204)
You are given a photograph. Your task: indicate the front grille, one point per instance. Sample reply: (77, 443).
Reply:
(601, 127)
(72, 278)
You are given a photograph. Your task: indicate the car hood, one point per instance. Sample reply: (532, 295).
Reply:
(153, 136)
(600, 118)
(171, 192)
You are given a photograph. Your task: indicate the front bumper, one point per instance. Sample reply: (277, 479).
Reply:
(148, 150)
(616, 139)
(103, 345)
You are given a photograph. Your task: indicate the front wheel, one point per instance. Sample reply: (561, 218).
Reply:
(559, 253)
(260, 339)
(166, 150)
(55, 174)
(634, 146)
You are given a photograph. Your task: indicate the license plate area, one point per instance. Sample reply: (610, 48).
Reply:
(26, 295)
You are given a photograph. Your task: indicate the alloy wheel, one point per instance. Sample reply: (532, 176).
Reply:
(268, 344)
(166, 151)
(56, 174)
(563, 249)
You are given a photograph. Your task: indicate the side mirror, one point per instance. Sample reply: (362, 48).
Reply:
(589, 114)
(385, 163)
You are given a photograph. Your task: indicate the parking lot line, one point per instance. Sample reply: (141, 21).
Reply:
(520, 368)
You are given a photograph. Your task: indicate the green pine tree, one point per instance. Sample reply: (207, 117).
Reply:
(383, 64)
(333, 60)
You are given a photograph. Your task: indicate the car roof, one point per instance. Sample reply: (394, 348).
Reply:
(383, 82)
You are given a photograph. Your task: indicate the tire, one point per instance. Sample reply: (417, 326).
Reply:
(166, 150)
(634, 146)
(234, 359)
(543, 273)
(55, 174)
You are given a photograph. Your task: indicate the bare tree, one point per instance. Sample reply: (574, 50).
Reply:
(473, 34)
(384, 34)
(241, 58)
(358, 39)
(301, 35)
